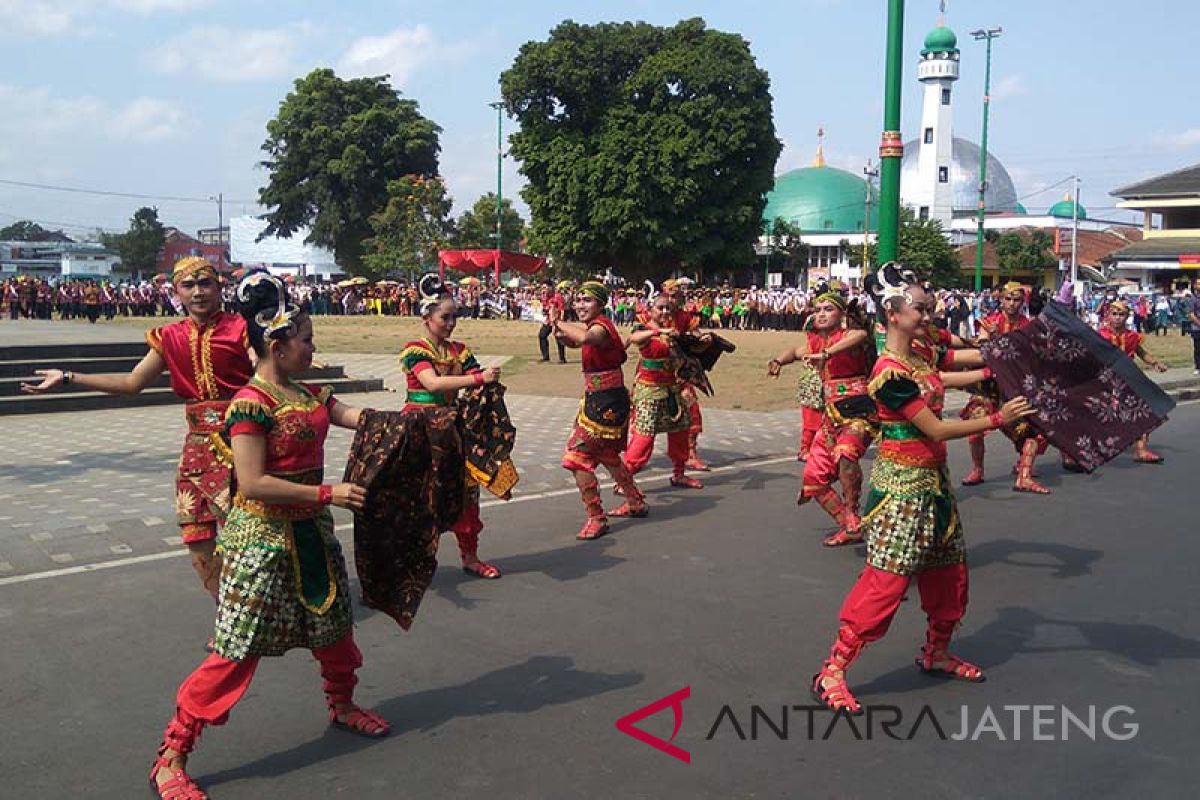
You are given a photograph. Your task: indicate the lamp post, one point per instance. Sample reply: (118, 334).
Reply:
(891, 146)
(872, 173)
(219, 199)
(499, 106)
(987, 36)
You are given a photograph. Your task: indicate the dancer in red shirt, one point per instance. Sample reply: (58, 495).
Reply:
(1116, 330)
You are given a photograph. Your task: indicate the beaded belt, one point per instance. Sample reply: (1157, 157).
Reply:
(836, 388)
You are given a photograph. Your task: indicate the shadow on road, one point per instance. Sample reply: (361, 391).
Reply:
(1072, 561)
(522, 688)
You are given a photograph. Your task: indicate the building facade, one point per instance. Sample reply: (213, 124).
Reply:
(1168, 256)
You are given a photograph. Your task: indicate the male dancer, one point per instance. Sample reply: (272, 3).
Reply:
(206, 355)
(683, 321)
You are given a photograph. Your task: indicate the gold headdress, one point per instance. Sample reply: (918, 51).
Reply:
(192, 267)
(272, 321)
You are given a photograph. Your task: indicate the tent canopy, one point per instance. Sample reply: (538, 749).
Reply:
(473, 261)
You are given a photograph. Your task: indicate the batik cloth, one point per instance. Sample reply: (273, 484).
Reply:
(1092, 401)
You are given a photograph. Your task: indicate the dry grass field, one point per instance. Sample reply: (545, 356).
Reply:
(740, 379)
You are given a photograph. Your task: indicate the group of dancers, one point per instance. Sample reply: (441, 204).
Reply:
(252, 466)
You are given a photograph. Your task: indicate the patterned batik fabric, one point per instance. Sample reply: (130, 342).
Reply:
(911, 519)
(809, 391)
(1092, 401)
(658, 409)
(488, 437)
(411, 464)
(204, 474)
(283, 585)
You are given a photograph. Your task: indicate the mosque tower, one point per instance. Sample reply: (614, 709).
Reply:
(932, 193)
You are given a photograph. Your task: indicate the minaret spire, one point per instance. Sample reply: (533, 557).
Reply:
(819, 159)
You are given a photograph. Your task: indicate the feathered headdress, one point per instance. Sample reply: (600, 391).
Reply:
(272, 321)
(432, 291)
(889, 289)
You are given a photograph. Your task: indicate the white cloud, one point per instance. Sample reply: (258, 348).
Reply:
(397, 54)
(147, 119)
(230, 55)
(1009, 86)
(1181, 140)
(56, 17)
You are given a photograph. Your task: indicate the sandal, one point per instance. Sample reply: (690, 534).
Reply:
(482, 569)
(954, 667)
(630, 509)
(179, 786)
(842, 537)
(696, 465)
(974, 478)
(594, 528)
(837, 698)
(1029, 486)
(359, 721)
(1148, 457)
(684, 482)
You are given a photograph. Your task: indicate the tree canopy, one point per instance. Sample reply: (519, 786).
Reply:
(476, 227)
(410, 228)
(1018, 251)
(332, 150)
(923, 247)
(24, 230)
(140, 245)
(645, 148)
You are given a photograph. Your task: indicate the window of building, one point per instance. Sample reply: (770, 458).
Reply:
(929, 136)
(945, 97)
(923, 213)
(943, 174)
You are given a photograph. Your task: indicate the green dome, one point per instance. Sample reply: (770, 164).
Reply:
(821, 200)
(941, 40)
(1066, 208)
(1021, 210)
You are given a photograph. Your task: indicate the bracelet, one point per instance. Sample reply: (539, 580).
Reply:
(478, 378)
(774, 361)
(996, 419)
(68, 376)
(325, 494)
(987, 371)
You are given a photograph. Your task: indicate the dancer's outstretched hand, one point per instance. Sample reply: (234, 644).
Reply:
(50, 379)
(491, 374)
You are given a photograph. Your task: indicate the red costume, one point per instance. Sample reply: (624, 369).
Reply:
(847, 428)
(207, 364)
(658, 407)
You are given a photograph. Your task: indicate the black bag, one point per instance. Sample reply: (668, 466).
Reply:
(859, 406)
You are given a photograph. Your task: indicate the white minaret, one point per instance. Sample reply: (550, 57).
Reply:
(932, 194)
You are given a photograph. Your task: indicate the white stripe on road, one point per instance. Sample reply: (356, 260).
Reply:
(345, 526)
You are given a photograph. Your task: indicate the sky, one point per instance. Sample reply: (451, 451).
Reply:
(169, 98)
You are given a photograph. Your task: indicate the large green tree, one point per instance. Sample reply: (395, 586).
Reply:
(476, 227)
(140, 245)
(412, 226)
(24, 230)
(645, 148)
(332, 150)
(1019, 251)
(923, 246)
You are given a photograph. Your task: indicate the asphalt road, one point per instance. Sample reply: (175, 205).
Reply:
(1084, 599)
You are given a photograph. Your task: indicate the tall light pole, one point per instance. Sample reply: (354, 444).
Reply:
(891, 146)
(1075, 237)
(499, 106)
(871, 174)
(219, 199)
(983, 35)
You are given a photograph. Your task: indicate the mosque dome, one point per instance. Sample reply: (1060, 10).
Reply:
(940, 40)
(820, 200)
(1001, 195)
(1066, 208)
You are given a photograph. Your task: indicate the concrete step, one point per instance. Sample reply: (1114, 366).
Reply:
(90, 401)
(48, 353)
(21, 368)
(10, 386)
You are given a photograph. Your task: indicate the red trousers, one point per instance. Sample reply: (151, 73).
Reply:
(829, 447)
(641, 446)
(207, 695)
(869, 608)
(810, 423)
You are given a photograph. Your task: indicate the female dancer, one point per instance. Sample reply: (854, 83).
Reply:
(657, 397)
(436, 368)
(284, 581)
(841, 355)
(911, 520)
(1116, 330)
(599, 434)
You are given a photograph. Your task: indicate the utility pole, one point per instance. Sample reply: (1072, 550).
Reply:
(1075, 237)
(983, 35)
(220, 201)
(499, 106)
(891, 146)
(871, 174)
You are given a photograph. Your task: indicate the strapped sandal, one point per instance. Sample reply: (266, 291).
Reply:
(630, 509)
(1029, 486)
(594, 528)
(954, 667)
(482, 569)
(696, 465)
(1148, 456)
(180, 786)
(360, 721)
(836, 698)
(842, 537)
(684, 482)
(974, 478)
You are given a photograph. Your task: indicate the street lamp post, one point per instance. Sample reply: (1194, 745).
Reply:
(891, 146)
(499, 106)
(871, 173)
(983, 35)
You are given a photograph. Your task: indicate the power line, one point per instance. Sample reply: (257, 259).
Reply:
(130, 195)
